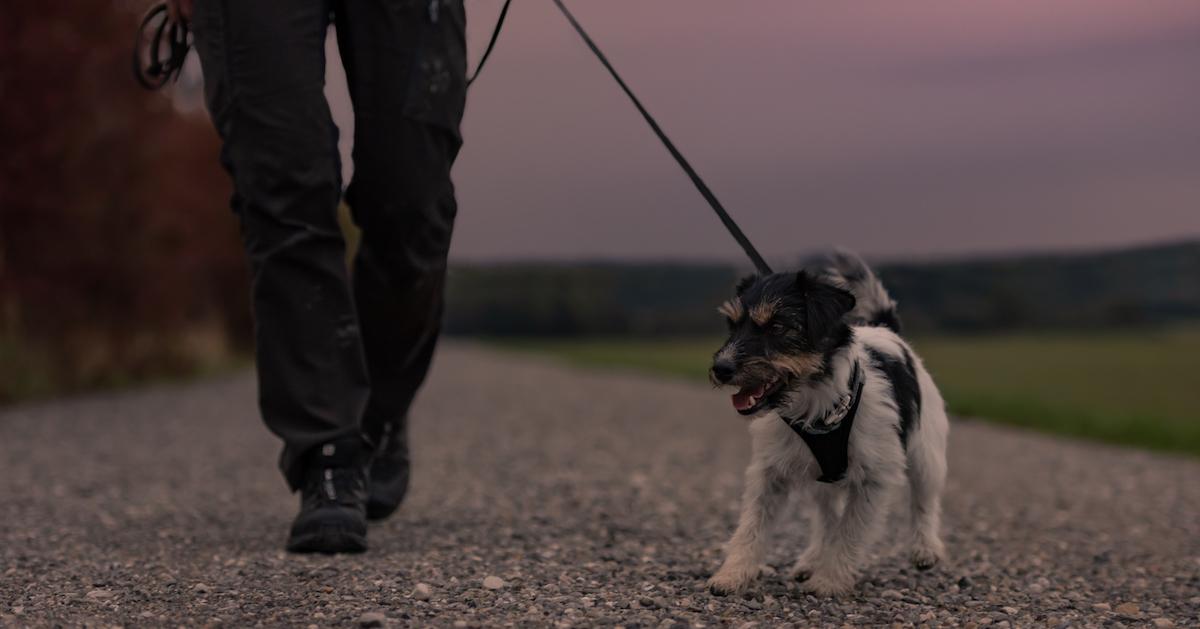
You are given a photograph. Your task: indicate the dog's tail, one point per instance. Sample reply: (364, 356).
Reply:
(874, 306)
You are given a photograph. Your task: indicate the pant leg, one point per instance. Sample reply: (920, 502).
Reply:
(406, 69)
(264, 70)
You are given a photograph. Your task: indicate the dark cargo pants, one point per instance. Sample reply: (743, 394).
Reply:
(338, 357)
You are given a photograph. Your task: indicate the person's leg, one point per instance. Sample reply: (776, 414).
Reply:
(406, 69)
(264, 71)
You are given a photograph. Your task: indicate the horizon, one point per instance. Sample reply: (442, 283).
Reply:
(739, 261)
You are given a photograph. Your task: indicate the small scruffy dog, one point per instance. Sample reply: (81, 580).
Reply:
(842, 408)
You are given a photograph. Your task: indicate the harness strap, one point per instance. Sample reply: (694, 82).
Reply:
(831, 448)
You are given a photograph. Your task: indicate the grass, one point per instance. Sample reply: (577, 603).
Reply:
(1138, 388)
(33, 371)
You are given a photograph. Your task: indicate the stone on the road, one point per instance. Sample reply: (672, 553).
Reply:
(422, 592)
(372, 619)
(587, 492)
(493, 582)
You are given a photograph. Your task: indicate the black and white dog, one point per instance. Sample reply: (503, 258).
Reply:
(842, 408)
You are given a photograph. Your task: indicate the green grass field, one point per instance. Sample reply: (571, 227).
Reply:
(1139, 388)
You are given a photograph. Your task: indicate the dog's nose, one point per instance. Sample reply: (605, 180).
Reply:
(723, 371)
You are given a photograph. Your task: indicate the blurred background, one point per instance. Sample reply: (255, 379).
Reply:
(1025, 175)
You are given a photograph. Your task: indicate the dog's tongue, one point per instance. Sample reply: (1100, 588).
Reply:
(747, 397)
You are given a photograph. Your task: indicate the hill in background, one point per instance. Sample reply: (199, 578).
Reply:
(1143, 286)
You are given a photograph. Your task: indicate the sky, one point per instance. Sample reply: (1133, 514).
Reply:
(914, 129)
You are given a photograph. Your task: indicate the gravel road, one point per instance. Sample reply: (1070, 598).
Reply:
(544, 495)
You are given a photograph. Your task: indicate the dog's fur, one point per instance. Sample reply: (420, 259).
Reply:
(795, 338)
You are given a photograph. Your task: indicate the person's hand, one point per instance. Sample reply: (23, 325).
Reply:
(180, 11)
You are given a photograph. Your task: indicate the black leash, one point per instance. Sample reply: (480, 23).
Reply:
(152, 71)
(487, 52)
(759, 264)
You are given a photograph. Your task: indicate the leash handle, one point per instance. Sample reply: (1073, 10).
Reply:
(156, 71)
(759, 263)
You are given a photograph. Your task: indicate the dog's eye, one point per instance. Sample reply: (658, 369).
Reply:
(779, 328)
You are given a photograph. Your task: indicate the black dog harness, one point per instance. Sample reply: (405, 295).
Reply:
(829, 437)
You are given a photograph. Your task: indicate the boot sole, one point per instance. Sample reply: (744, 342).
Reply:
(328, 541)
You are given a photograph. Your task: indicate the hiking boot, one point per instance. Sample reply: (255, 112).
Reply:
(389, 471)
(333, 498)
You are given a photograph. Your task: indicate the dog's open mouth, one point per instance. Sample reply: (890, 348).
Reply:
(754, 397)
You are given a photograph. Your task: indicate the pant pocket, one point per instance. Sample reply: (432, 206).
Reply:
(437, 87)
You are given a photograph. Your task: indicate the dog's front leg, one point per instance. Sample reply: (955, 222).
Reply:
(824, 514)
(765, 493)
(848, 544)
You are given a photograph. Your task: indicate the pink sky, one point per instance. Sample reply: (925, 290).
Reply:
(909, 128)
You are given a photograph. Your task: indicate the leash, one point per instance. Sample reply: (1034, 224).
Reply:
(152, 71)
(487, 52)
(759, 264)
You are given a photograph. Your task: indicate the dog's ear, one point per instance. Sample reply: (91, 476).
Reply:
(824, 306)
(743, 284)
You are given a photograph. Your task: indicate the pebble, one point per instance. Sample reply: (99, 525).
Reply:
(422, 592)
(96, 595)
(1163, 623)
(372, 619)
(493, 582)
(1128, 609)
(1101, 607)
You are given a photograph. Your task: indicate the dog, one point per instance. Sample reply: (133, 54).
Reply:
(841, 408)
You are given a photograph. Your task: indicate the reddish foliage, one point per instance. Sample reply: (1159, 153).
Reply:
(114, 221)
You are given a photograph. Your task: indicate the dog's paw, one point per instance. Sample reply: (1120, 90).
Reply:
(731, 581)
(827, 585)
(924, 558)
(800, 573)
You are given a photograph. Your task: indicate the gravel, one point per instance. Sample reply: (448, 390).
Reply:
(594, 499)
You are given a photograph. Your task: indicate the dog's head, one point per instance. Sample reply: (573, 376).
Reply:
(782, 328)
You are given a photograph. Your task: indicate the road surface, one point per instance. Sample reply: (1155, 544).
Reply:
(592, 498)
